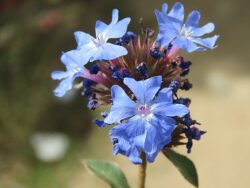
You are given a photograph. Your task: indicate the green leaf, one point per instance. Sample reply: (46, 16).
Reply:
(184, 165)
(109, 172)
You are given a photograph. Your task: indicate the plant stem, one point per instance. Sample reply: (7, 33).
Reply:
(142, 171)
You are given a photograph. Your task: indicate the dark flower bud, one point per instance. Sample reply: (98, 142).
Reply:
(189, 145)
(93, 102)
(121, 74)
(184, 101)
(94, 69)
(175, 85)
(88, 83)
(86, 92)
(125, 39)
(142, 69)
(156, 53)
(185, 66)
(115, 141)
(99, 123)
(186, 85)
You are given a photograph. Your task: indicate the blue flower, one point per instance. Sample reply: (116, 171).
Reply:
(185, 36)
(98, 48)
(74, 70)
(146, 124)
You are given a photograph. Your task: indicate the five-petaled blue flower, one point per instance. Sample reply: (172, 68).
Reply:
(145, 125)
(91, 49)
(74, 70)
(185, 36)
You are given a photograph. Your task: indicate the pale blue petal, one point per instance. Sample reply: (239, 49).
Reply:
(64, 86)
(144, 90)
(135, 155)
(169, 110)
(80, 57)
(58, 75)
(139, 141)
(165, 95)
(124, 144)
(168, 28)
(68, 61)
(185, 44)
(82, 38)
(158, 135)
(117, 30)
(109, 52)
(100, 27)
(131, 128)
(115, 16)
(207, 42)
(153, 138)
(164, 7)
(208, 28)
(135, 126)
(193, 19)
(177, 11)
(123, 147)
(123, 107)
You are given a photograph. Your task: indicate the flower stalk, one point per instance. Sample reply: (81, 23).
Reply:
(142, 171)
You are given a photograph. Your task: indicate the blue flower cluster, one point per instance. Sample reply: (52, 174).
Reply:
(140, 82)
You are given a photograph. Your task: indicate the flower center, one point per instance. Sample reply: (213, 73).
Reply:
(186, 32)
(99, 41)
(144, 110)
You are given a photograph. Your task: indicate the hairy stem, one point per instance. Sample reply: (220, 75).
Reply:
(142, 171)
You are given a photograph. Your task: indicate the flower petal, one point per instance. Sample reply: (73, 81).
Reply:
(115, 16)
(108, 51)
(207, 42)
(193, 19)
(117, 30)
(131, 128)
(82, 38)
(159, 134)
(80, 57)
(199, 31)
(144, 90)
(186, 44)
(100, 27)
(58, 75)
(164, 7)
(124, 140)
(165, 95)
(64, 86)
(123, 107)
(169, 110)
(168, 28)
(177, 11)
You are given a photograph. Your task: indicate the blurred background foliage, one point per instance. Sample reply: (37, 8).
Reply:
(32, 36)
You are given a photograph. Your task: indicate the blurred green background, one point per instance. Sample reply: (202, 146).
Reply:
(32, 36)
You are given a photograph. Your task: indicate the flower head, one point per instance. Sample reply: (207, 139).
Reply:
(98, 48)
(147, 124)
(185, 36)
